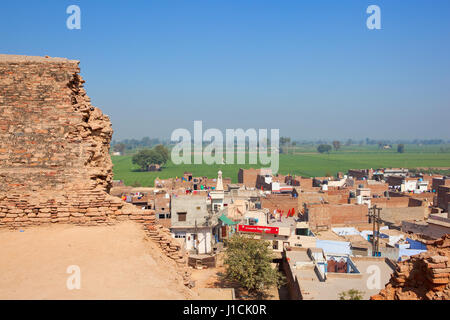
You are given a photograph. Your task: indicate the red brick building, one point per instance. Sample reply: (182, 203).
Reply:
(323, 216)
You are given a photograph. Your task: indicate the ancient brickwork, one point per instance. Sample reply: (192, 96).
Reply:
(54, 152)
(425, 276)
(51, 137)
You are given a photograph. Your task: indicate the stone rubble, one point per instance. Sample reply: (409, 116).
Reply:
(425, 276)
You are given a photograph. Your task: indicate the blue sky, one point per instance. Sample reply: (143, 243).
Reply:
(310, 68)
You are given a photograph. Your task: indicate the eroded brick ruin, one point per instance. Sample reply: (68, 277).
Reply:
(54, 153)
(425, 276)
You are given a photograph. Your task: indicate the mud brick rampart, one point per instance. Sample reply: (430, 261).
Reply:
(54, 152)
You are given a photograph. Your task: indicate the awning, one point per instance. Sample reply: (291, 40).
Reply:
(227, 220)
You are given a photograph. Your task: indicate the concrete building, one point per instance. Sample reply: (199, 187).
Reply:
(363, 196)
(162, 209)
(407, 184)
(192, 220)
(313, 275)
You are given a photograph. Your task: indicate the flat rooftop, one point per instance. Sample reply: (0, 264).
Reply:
(328, 235)
(313, 289)
(285, 222)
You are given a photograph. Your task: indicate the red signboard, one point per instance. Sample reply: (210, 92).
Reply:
(258, 229)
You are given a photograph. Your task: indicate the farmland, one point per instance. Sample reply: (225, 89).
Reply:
(305, 163)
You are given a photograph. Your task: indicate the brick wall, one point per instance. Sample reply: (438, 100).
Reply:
(377, 189)
(337, 196)
(54, 152)
(248, 177)
(436, 182)
(443, 197)
(393, 202)
(326, 215)
(311, 197)
(282, 202)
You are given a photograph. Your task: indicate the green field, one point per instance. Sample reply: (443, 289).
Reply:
(308, 164)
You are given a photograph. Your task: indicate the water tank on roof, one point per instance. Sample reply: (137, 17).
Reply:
(359, 199)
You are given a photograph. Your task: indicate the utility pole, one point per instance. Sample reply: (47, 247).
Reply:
(374, 214)
(196, 237)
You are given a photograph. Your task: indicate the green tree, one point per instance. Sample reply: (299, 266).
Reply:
(401, 148)
(146, 157)
(324, 148)
(163, 151)
(351, 294)
(248, 261)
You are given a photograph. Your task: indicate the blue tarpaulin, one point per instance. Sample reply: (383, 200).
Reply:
(413, 244)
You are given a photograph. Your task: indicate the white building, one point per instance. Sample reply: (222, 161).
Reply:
(194, 218)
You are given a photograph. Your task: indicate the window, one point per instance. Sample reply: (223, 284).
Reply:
(302, 231)
(275, 244)
(161, 216)
(182, 216)
(180, 235)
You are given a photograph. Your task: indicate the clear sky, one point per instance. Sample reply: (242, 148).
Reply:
(308, 67)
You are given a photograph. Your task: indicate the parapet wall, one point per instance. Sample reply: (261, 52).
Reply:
(326, 215)
(54, 152)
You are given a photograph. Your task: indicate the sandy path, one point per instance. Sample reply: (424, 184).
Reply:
(116, 262)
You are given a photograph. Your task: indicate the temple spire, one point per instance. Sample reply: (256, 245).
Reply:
(219, 186)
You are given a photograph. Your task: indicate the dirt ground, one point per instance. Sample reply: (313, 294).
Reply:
(116, 262)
